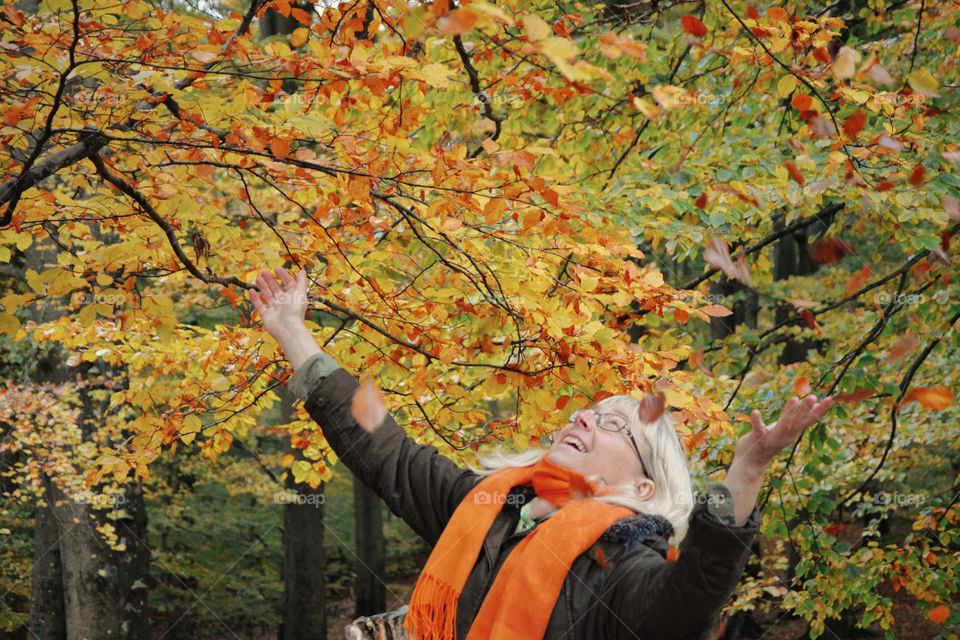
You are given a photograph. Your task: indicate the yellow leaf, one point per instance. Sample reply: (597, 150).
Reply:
(9, 324)
(845, 64)
(535, 27)
(647, 108)
(923, 83)
(435, 74)
(299, 36)
(786, 85)
(4, 254)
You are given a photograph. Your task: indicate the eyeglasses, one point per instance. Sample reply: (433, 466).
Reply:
(612, 422)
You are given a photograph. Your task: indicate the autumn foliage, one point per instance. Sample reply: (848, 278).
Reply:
(507, 211)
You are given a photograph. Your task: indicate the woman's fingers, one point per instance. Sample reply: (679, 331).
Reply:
(286, 278)
(265, 293)
(257, 303)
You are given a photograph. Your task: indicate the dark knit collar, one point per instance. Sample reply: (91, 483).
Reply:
(643, 528)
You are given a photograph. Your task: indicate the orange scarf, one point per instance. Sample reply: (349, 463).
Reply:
(521, 600)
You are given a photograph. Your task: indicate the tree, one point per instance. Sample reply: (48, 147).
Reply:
(468, 188)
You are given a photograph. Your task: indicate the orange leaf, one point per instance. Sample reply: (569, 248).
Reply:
(367, 407)
(696, 359)
(858, 280)
(936, 398)
(458, 22)
(693, 26)
(280, 147)
(801, 386)
(939, 614)
(794, 172)
(299, 36)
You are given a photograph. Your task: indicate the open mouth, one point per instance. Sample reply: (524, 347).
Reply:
(574, 443)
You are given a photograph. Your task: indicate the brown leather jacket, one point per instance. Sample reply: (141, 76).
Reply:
(626, 592)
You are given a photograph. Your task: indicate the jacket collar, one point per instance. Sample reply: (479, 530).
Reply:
(652, 530)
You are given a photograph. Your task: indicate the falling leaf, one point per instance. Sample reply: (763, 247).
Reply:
(652, 407)
(535, 27)
(935, 398)
(845, 64)
(801, 386)
(693, 26)
(852, 398)
(716, 311)
(890, 143)
(916, 176)
(823, 127)
(368, 407)
(879, 75)
(717, 255)
(923, 83)
(794, 172)
(673, 553)
(458, 21)
(696, 359)
(952, 206)
(858, 281)
(907, 343)
(854, 123)
(830, 250)
(811, 321)
(939, 614)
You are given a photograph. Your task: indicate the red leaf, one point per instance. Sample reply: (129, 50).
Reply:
(830, 250)
(673, 552)
(693, 26)
(834, 529)
(854, 123)
(851, 398)
(916, 176)
(562, 402)
(801, 102)
(652, 407)
(811, 320)
(752, 12)
(701, 201)
(902, 347)
(884, 185)
(794, 172)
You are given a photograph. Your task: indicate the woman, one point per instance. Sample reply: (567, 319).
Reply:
(571, 543)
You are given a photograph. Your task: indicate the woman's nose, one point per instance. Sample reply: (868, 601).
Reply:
(585, 420)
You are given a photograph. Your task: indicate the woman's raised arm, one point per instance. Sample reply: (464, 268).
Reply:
(418, 483)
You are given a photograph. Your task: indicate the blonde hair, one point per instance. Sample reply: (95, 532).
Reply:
(662, 452)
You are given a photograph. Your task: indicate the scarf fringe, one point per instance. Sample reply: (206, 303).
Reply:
(432, 611)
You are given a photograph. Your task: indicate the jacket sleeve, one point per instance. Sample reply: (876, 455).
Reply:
(649, 598)
(418, 483)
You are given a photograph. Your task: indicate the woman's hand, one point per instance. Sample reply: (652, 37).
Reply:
(761, 445)
(281, 304)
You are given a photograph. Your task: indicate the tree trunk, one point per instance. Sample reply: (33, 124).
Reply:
(369, 586)
(304, 562)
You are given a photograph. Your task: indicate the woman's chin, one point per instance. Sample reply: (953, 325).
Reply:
(563, 458)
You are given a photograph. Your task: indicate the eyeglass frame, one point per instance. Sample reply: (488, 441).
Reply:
(625, 428)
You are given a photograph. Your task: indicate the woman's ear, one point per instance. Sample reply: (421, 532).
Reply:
(645, 488)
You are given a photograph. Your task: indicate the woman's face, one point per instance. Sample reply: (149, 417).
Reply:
(603, 453)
